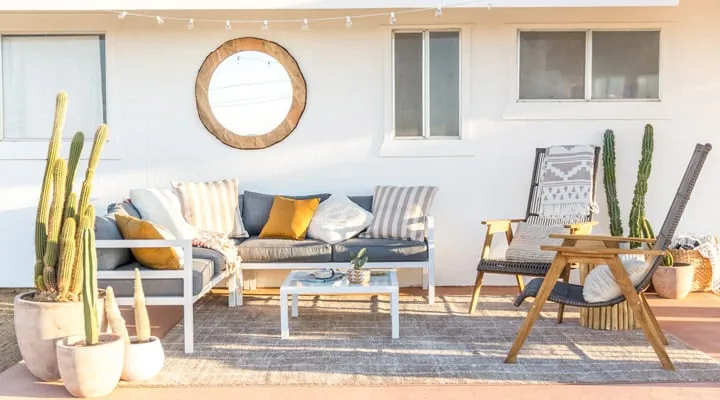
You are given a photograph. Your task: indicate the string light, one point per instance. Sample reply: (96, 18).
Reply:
(122, 15)
(265, 25)
(438, 12)
(228, 27)
(348, 22)
(191, 24)
(159, 20)
(304, 25)
(392, 18)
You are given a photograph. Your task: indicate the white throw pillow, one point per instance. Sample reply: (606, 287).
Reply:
(162, 207)
(338, 218)
(600, 284)
(525, 246)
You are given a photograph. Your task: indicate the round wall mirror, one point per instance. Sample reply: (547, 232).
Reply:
(250, 93)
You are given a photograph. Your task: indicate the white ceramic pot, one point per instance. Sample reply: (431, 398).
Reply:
(91, 371)
(38, 325)
(142, 360)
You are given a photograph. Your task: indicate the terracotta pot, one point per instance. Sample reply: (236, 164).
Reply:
(91, 371)
(358, 275)
(38, 325)
(674, 282)
(142, 360)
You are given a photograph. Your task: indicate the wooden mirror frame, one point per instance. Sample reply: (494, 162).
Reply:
(202, 83)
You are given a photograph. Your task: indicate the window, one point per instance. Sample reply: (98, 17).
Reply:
(426, 88)
(35, 68)
(589, 65)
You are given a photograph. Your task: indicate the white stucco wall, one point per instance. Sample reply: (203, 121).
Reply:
(152, 116)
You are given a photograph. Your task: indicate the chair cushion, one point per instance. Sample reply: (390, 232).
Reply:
(216, 257)
(255, 249)
(379, 250)
(256, 208)
(109, 259)
(202, 275)
(162, 207)
(525, 246)
(337, 219)
(399, 212)
(600, 284)
(157, 258)
(212, 206)
(289, 218)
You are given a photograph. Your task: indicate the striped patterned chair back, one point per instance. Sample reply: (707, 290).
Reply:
(677, 207)
(532, 215)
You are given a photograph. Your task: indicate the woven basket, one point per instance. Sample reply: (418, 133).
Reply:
(703, 269)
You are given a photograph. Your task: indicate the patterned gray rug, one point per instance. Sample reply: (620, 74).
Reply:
(346, 341)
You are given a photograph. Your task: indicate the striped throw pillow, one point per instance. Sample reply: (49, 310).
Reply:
(399, 212)
(212, 206)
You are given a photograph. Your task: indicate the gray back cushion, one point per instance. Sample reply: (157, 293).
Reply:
(256, 208)
(126, 206)
(109, 259)
(363, 201)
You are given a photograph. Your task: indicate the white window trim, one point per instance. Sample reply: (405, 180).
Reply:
(426, 146)
(586, 109)
(36, 149)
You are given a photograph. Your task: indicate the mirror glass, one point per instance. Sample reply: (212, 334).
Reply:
(250, 93)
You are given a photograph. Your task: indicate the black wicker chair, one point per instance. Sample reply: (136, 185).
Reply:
(607, 251)
(532, 216)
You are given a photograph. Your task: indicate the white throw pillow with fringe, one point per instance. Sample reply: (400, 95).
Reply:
(600, 283)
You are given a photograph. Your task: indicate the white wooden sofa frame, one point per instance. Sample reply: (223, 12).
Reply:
(428, 266)
(186, 275)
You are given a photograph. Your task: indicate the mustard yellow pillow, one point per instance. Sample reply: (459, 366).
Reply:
(132, 228)
(289, 219)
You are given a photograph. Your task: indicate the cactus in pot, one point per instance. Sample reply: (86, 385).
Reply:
(637, 213)
(616, 228)
(356, 274)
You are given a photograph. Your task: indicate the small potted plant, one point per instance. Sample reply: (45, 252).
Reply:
(673, 280)
(90, 365)
(144, 354)
(356, 274)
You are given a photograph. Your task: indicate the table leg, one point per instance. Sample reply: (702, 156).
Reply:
(284, 330)
(395, 313)
(294, 305)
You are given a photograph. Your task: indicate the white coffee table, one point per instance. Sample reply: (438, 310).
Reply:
(295, 286)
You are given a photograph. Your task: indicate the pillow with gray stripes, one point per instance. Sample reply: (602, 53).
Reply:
(399, 212)
(526, 242)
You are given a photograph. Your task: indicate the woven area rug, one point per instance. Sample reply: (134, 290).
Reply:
(346, 341)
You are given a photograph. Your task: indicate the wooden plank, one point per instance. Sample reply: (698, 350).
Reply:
(476, 292)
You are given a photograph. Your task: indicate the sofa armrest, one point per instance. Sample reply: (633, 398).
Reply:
(185, 273)
(429, 228)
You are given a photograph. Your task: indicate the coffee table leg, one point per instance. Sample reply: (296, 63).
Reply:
(284, 330)
(294, 305)
(395, 313)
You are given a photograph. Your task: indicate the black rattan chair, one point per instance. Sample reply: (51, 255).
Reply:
(607, 251)
(532, 216)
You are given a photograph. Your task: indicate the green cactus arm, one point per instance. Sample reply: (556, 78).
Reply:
(70, 207)
(142, 321)
(66, 261)
(43, 209)
(87, 220)
(113, 315)
(609, 179)
(76, 147)
(89, 264)
(641, 185)
(98, 143)
(54, 225)
(668, 259)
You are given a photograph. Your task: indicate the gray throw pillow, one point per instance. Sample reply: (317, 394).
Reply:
(109, 259)
(525, 246)
(256, 208)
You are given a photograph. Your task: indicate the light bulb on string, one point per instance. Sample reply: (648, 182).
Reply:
(122, 15)
(305, 25)
(348, 22)
(228, 27)
(392, 18)
(438, 12)
(191, 24)
(265, 25)
(159, 20)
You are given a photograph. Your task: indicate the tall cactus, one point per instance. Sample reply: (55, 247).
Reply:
(142, 321)
(637, 212)
(55, 221)
(66, 261)
(87, 220)
(100, 138)
(76, 147)
(113, 315)
(90, 292)
(616, 228)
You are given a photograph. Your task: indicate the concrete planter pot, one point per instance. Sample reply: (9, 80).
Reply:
(38, 325)
(91, 371)
(674, 282)
(142, 360)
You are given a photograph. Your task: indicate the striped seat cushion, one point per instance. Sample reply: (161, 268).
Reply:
(399, 212)
(525, 246)
(212, 206)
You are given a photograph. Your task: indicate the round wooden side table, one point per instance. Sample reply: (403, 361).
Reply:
(614, 318)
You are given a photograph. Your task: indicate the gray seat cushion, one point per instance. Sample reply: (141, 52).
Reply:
(283, 250)
(202, 275)
(109, 259)
(379, 250)
(256, 208)
(216, 257)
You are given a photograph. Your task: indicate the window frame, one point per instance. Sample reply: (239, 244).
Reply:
(36, 148)
(588, 76)
(426, 83)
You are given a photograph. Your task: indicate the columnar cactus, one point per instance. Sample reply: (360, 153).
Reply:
(616, 228)
(142, 321)
(56, 250)
(114, 317)
(637, 213)
(89, 292)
